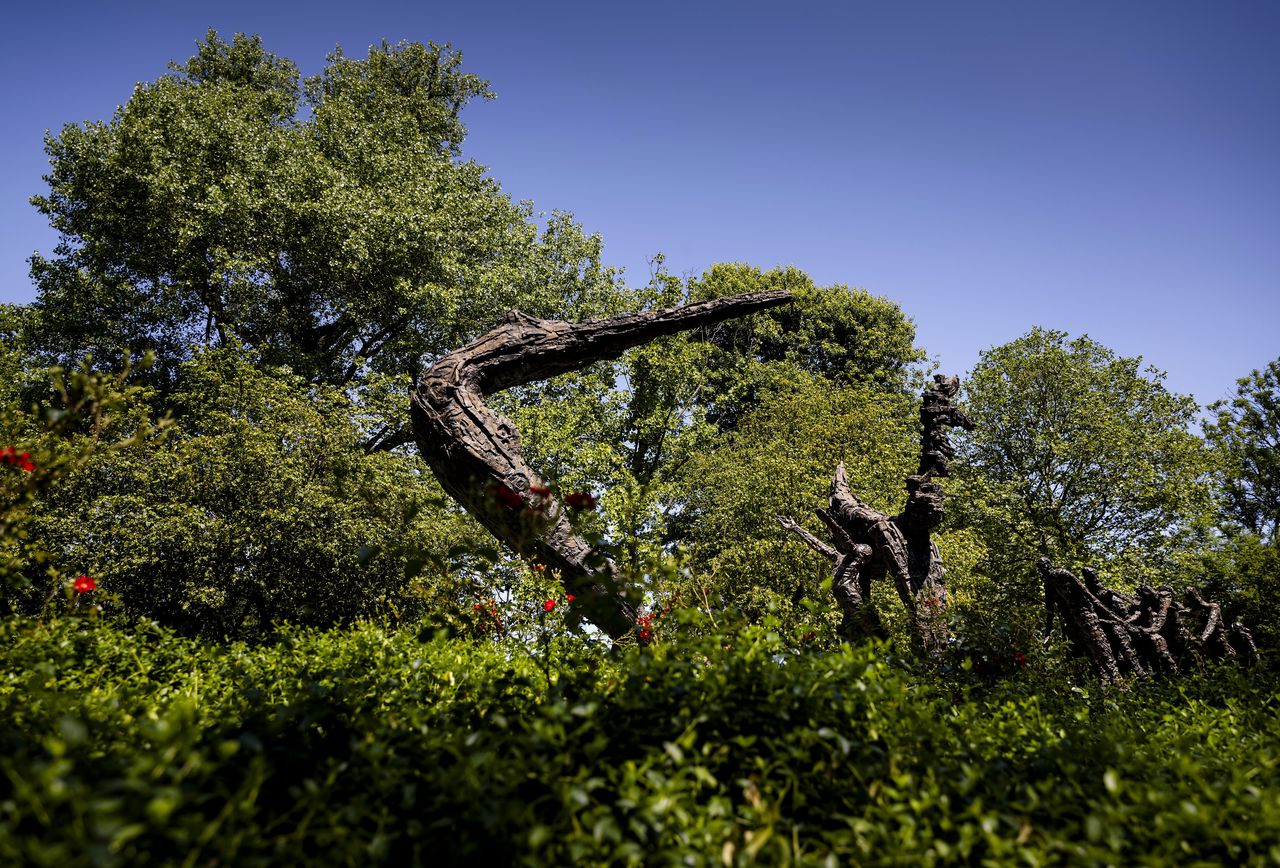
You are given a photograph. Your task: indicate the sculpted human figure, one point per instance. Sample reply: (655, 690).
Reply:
(1146, 621)
(1154, 635)
(1242, 641)
(1064, 593)
(1111, 598)
(1209, 629)
(937, 416)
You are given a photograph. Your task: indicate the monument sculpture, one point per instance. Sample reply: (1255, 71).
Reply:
(475, 452)
(868, 544)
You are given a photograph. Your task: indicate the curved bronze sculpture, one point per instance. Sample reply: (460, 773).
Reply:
(475, 452)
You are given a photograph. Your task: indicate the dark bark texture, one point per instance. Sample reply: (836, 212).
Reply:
(869, 545)
(1151, 633)
(475, 452)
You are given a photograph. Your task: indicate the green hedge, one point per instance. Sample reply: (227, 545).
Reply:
(368, 746)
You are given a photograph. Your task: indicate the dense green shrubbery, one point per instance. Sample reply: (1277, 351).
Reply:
(258, 505)
(126, 746)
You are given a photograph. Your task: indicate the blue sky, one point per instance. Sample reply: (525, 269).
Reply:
(1109, 168)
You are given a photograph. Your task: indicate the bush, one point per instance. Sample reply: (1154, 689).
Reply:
(261, 505)
(134, 746)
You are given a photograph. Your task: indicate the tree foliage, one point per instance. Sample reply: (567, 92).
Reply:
(258, 506)
(1079, 455)
(847, 337)
(329, 224)
(86, 416)
(292, 250)
(676, 431)
(1245, 435)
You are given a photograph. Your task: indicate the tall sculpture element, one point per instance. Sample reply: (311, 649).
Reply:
(868, 545)
(475, 452)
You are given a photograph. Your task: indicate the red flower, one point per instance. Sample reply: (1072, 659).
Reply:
(580, 500)
(1020, 659)
(548, 605)
(84, 584)
(540, 490)
(10, 456)
(507, 497)
(645, 635)
(478, 606)
(569, 598)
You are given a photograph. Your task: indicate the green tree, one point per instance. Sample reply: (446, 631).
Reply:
(1245, 435)
(330, 224)
(848, 337)
(14, 355)
(643, 433)
(1240, 556)
(258, 506)
(293, 251)
(80, 417)
(1078, 455)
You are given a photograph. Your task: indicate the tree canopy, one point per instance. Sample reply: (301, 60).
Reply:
(1085, 455)
(328, 223)
(1245, 433)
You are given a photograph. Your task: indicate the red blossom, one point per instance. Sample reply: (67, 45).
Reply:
(548, 605)
(84, 584)
(13, 458)
(506, 496)
(540, 490)
(1020, 659)
(489, 621)
(580, 500)
(645, 635)
(569, 598)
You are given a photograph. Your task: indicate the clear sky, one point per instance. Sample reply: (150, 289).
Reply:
(1102, 167)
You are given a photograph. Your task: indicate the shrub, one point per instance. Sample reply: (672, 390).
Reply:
(134, 746)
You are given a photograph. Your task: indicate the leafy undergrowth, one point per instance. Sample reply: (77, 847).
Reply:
(371, 746)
